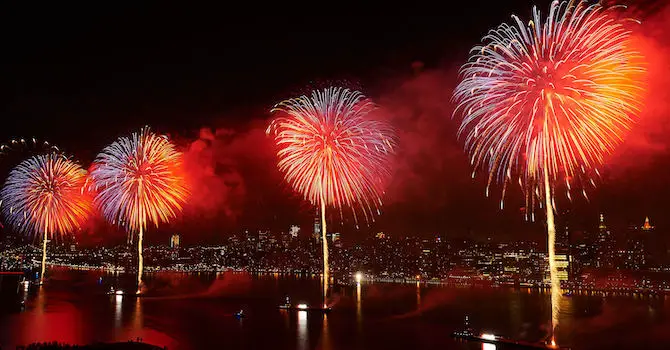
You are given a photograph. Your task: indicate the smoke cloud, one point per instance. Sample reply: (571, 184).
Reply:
(235, 183)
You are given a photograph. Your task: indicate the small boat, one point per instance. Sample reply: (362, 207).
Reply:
(498, 340)
(303, 307)
(469, 334)
(113, 291)
(239, 315)
(121, 292)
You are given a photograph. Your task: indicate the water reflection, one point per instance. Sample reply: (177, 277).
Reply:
(137, 317)
(57, 312)
(566, 316)
(325, 334)
(487, 346)
(26, 287)
(515, 310)
(61, 321)
(303, 335)
(118, 303)
(359, 313)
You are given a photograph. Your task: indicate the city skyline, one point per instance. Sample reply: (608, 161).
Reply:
(634, 261)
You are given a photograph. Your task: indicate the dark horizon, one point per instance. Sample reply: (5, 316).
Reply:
(80, 81)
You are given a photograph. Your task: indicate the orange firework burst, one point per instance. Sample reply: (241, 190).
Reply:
(45, 195)
(138, 180)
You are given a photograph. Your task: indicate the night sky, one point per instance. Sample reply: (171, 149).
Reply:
(81, 77)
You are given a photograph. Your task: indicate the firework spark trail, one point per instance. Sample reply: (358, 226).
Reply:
(138, 180)
(45, 195)
(333, 153)
(548, 102)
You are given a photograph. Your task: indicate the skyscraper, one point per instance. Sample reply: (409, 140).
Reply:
(647, 226)
(293, 231)
(563, 258)
(604, 245)
(175, 240)
(655, 245)
(635, 254)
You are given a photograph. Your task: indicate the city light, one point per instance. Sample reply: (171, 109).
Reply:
(488, 336)
(503, 264)
(302, 306)
(359, 277)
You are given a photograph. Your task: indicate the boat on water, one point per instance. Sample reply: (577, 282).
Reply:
(121, 292)
(113, 291)
(508, 343)
(239, 315)
(469, 334)
(303, 307)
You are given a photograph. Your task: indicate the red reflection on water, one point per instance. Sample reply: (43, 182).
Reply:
(138, 331)
(60, 322)
(325, 343)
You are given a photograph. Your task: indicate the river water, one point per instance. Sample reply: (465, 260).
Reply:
(195, 311)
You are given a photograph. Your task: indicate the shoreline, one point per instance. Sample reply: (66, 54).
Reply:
(368, 280)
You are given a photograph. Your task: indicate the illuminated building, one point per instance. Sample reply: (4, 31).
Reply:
(635, 252)
(562, 262)
(264, 240)
(335, 239)
(604, 245)
(175, 240)
(563, 257)
(426, 261)
(291, 236)
(263, 236)
(293, 231)
(656, 246)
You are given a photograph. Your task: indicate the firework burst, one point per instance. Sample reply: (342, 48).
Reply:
(333, 153)
(544, 104)
(137, 181)
(45, 195)
(552, 98)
